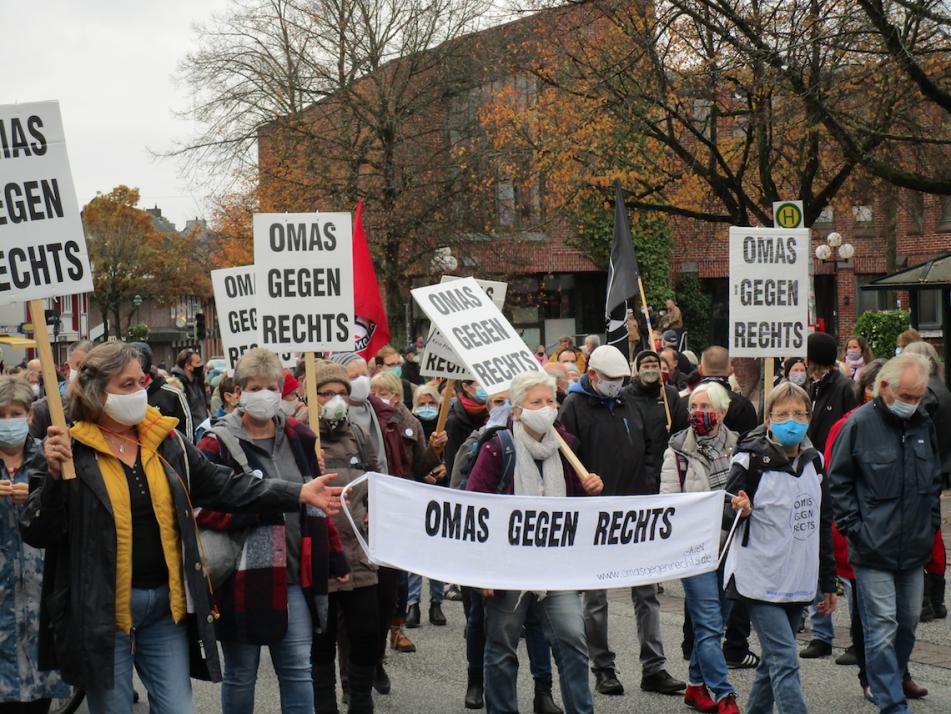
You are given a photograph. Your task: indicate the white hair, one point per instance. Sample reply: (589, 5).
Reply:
(526, 381)
(895, 368)
(717, 395)
(593, 340)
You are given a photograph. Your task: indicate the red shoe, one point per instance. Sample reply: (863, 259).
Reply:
(727, 705)
(699, 698)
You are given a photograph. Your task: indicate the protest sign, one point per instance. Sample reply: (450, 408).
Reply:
(477, 332)
(531, 543)
(42, 247)
(237, 313)
(769, 291)
(303, 265)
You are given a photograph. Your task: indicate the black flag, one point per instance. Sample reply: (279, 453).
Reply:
(622, 276)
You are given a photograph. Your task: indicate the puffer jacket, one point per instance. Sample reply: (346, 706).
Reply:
(684, 444)
(73, 521)
(349, 454)
(885, 480)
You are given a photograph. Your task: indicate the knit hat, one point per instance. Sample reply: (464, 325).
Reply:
(290, 384)
(344, 358)
(821, 349)
(642, 355)
(327, 372)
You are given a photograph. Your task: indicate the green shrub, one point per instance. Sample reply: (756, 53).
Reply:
(880, 328)
(696, 307)
(138, 332)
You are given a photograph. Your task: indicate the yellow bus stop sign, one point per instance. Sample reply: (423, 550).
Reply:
(787, 214)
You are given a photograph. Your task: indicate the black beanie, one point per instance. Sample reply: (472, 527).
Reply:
(642, 355)
(821, 349)
(145, 355)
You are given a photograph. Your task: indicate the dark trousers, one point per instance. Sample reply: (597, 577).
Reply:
(360, 610)
(39, 706)
(388, 593)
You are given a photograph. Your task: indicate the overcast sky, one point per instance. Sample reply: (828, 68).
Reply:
(110, 63)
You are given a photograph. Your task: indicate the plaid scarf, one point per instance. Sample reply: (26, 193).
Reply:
(712, 450)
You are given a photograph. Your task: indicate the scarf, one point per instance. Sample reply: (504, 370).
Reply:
(528, 450)
(472, 407)
(713, 451)
(855, 366)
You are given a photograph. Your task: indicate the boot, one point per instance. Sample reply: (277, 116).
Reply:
(937, 596)
(361, 684)
(398, 639)
(544, 704)
(325, 689)
(412, 616)
(381, 680)
(927, 610)
(475, 690)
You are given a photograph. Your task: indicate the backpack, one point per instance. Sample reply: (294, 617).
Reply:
(469, 452)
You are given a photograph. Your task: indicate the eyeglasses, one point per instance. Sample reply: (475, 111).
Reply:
(785, 416)
(330, 394)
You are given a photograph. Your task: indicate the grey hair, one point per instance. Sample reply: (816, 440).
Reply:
(715, 393)
(524, 382)
(15, 389)
(86, 394)
(80, 346)
(787, 391)
(926, 350)
(593, 339)
(258, 363)
(895, 368)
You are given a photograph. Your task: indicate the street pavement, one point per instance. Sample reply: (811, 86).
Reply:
(433, 679)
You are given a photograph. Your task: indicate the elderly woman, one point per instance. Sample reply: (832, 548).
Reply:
(280, 582)
(698, 460)
(23, 687)
(123, 568)
(785, 547)
(539, 470)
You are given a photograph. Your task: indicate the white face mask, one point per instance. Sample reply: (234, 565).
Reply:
(127, 409)
(335, 410)
(359, 389)
(36, 390)
(73, 373)
(261, 405)
(798, 378)
(610, 387)
(539, 420)
(289, 408)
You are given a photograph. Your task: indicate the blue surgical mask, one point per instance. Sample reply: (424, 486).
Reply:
(397, 370)
(897, 351)
(13, 432)
(427, 412)
(789, 432)
(481, 395)
(903, 410)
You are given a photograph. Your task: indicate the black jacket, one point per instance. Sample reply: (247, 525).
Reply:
(194, 395)
(612, 440)
(741, 417)
(833, 397)
(649, 401)
(171, 402)
(73, 521)
(937, 403)
(886, 480)
(459, 425)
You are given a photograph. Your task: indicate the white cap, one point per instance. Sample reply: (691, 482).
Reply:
(608, 360)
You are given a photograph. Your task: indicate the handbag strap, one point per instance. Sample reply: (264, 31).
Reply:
(233, 446)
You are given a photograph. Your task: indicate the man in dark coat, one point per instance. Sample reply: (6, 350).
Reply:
(191, 371)
(832, 392)
(715, 367)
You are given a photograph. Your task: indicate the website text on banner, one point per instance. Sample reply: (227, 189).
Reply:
(238, 313)
(520, 543)
(303, 266)
(438, 359)
(769, 292)
(480, 336)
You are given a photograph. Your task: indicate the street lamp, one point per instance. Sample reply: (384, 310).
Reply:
(834, 250)
(137, 301)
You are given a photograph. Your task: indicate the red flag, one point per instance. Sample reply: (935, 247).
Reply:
(371, 331)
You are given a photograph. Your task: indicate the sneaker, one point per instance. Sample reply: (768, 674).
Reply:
(816, 649)
(606, 682)
(848, 657)
(749, 661)
(727, 705)
(662, 683)
(698, 698)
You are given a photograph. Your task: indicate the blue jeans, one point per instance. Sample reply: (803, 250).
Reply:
(436, 590)
(158, 649)
(890, 603)
(708, 608)
(777, 676)
(820, 625)
(536, 644)
(561, 616)
(291, 660)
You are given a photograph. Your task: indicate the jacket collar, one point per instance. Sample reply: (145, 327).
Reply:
(889, 416)
(153, 430)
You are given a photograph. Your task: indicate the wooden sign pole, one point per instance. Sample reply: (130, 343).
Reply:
(50, 382)
(447, 394)
(313, 407)
(572, 459)
(769, 375)
(650, 339)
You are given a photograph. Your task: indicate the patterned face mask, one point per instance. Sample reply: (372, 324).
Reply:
(703, 423)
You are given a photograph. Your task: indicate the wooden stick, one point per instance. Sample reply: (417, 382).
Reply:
(447, 394)
(50, 382)
(663, 391)
(769, 374)
(313, 407)
(573, 459)
(650, 342)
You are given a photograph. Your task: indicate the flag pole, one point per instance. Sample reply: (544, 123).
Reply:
(313, 407)
(650, 338)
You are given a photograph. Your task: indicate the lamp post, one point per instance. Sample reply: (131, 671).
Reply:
(137, 301)
(834, 250)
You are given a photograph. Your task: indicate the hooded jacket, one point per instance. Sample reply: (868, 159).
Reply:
(171, 402)
(833, 397)
(194, 395)
(459, 426)
(612, 440)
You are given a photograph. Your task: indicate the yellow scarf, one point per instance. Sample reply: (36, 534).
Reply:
(152, 431)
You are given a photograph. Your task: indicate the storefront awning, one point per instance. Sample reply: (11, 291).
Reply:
(936, 273)
(22, 343)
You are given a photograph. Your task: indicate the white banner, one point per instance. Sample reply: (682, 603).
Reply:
(237, 311)
(42, 244)
(479, 335)
(438, 359)
(769, 292)
(303, 264)
(519, 543)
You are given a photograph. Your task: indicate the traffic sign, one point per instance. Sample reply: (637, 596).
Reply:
(788, 214)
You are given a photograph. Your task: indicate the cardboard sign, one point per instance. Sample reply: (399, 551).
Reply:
(769, 292)
(438, 359)
(42, 246)
(477, 332)
(303, 264)
(237, 311)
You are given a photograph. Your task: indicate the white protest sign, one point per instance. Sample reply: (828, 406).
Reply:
(479, 335)
(522, 543)
(438, 359)
(303, 265)
(769, 292)
(237, 313)
(42, 245)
